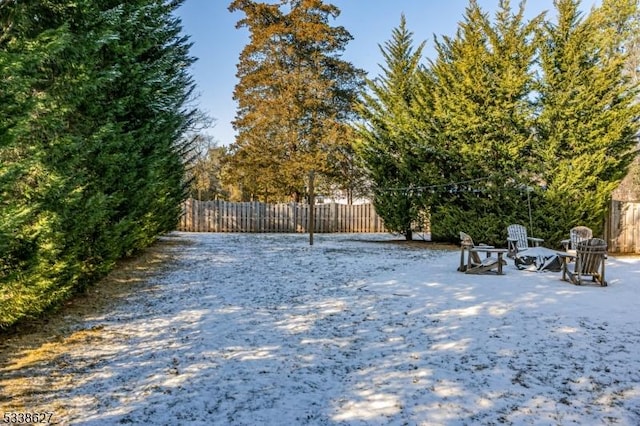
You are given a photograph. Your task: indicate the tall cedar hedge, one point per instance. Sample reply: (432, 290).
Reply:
(511, 113)
(389, 145)
(93, 106)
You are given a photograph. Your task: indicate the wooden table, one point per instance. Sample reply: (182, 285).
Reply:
(566, 259)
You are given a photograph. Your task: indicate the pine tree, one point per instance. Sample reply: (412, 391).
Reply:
(588, 117)
(388, 146)
(482, 116)
(294, 95)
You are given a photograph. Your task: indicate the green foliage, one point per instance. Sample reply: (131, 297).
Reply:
(389, 146)
(294, 95)
(588, 114)
(511, 114)
(483, 116)
(91, 165)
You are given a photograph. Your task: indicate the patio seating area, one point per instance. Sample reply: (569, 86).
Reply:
(583, 256)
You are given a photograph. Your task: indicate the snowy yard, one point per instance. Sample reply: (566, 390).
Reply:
(249, 329)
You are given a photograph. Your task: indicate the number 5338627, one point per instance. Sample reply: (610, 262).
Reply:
(27, 417)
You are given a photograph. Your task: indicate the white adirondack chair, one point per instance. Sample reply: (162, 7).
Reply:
(518, 240)
(576, 234)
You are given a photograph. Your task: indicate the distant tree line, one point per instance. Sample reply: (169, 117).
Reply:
(94, 103)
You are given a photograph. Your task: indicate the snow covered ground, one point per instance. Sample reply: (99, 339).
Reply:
(246, 329)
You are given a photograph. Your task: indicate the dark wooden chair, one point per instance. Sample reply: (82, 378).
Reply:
(589, 259)
(473, 263)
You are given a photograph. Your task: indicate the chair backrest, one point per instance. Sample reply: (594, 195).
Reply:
(589, 255)
(465, 239)
(518, 233)
(466, 242)
(579, 233)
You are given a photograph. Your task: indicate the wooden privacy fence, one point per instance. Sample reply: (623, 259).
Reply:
(622, 229)
(225, 216)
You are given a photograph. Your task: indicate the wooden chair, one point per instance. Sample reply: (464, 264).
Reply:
(517, 239)
(589, 262)
(474, 264)
(576, 234)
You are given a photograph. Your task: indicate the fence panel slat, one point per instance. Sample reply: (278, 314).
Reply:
(225, 217)
(622, 227)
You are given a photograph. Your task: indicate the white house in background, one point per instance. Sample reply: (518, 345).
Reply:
(340, 199)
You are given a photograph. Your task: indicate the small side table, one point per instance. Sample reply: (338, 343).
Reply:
(566, 258)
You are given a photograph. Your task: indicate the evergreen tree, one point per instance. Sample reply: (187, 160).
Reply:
(90, 141)
(389, 147)
(588, 117)
(294, 95)
(482, 116)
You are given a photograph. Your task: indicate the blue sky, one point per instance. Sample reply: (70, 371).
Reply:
(217, 43)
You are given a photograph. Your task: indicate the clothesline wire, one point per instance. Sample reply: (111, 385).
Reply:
(441, 185)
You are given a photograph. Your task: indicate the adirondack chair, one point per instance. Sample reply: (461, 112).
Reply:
(517, 240)
(589, 262)
(576, 234)
(472, 263)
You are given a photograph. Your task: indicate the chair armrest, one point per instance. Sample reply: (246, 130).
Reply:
(512, 239)
(535, 241)
(565, 255)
